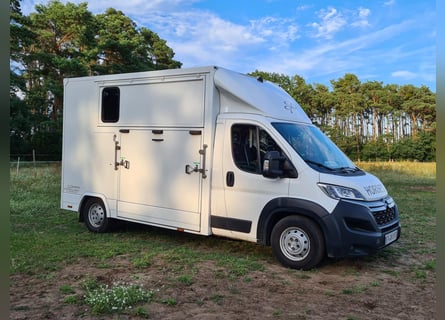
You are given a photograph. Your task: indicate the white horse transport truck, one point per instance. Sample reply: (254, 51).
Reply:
(214, 152)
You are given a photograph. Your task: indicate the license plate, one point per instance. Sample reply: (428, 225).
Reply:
(391, 237)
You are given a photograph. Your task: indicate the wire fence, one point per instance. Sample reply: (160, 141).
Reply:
(33, 161)
(38, 168)
(35, 157)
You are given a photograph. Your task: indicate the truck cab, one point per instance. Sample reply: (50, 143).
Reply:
(280, 181)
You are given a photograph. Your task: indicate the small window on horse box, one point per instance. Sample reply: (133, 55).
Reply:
(110, 104)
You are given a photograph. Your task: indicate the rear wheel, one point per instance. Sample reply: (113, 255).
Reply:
(297, 242)
(95, 215)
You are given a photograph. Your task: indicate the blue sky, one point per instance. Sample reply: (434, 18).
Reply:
(392, 41)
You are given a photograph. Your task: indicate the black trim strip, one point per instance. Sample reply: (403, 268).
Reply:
(195, 132)
(231, 224)
(124, 130)
(157, 131)
(157, 140)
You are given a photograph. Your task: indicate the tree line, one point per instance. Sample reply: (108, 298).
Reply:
(66, 40)
(367, 120)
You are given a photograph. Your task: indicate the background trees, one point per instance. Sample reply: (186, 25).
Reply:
(368, 121)
(66, 40)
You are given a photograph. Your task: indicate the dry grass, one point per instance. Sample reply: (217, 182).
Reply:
(421, 169)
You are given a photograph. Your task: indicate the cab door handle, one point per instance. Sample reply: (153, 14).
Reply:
(230, 178)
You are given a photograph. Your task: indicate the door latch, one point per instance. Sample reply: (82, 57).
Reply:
(117, 147)
(189, 169)
(125, 164)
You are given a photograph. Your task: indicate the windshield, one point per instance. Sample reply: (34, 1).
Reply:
(315, 147)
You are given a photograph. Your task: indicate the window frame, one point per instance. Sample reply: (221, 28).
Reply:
(255, 166)
(110, 105)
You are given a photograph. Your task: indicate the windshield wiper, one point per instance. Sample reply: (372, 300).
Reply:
(319, 164)
(341, 169)
(346, 169)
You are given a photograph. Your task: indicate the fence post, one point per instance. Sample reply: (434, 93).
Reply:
(34, 160)
(18, 164)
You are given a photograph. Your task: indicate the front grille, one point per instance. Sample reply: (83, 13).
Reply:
(385, 216)
(384, 213)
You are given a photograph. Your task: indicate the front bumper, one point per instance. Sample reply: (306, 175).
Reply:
(358, 228)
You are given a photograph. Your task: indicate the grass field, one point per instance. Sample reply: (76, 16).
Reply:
(413, 186)
(45, 239)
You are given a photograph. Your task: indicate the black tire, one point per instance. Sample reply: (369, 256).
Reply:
(95, 216)
(297, 243)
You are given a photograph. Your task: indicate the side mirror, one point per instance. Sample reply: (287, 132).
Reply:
(271, 165)
(277, 166)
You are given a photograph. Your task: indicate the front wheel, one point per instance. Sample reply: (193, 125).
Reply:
(95, 215)
(297, 242)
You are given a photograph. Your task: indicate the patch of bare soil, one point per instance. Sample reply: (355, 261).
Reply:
(423, 188)
(346, 289)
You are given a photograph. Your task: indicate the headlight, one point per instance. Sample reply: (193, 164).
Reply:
(339, 192)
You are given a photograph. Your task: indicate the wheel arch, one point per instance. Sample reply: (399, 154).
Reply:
(85, 199)
(279, 208)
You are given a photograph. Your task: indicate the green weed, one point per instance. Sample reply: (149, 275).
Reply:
(117, 298)
(66, 289)
(239, 267)
(375, 283)
(141, 312)
(142, 262)
(217, 298)
(277, 313)
(169, 301)
(420, 274)
(430, 265)
(186, 279)
(355, 290)
(71, 300)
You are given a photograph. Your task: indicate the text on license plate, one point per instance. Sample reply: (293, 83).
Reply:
(391, 237)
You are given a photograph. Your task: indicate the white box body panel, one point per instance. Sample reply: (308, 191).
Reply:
(165, 118)
(153, 104)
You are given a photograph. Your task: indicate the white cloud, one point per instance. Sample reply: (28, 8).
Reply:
(334, 58)
(331, 22)
(404, 74)
(389, 3)
(201, 37)
(426, 73)
(362, 18)
(203, 29)
(284, 30)
(364, 12)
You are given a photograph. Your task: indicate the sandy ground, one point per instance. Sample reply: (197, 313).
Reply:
(344, 289)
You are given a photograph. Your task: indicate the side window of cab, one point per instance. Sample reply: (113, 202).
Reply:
(249, 145)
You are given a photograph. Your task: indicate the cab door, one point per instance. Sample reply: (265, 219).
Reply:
(245, 190)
